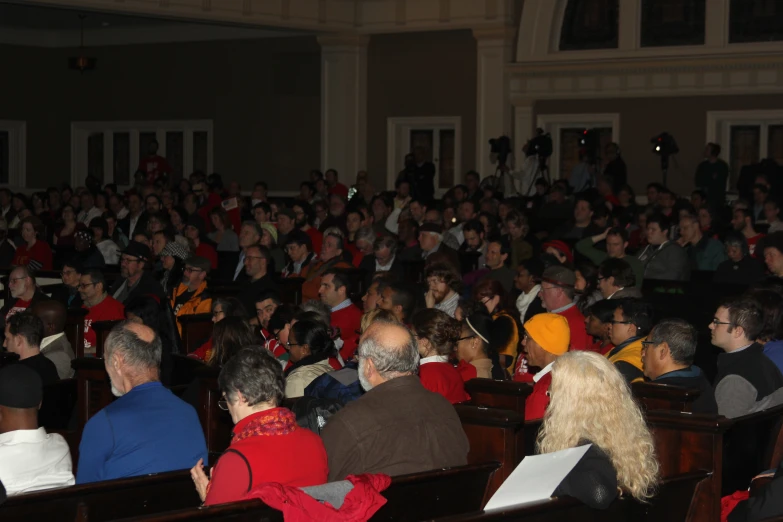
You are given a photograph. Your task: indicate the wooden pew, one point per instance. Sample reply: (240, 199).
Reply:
(216, 423)
(664, 397)
(508, 395)
(74, 329)
(410, 498)
(57, 405)
(196, 330)
(93, 391)
(672, 503)
(753, 443)
(290, 290)
(102, 330)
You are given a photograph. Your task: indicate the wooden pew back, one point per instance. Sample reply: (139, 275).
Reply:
(751, 446)
(74, 330)
(93, 389)
(196, 330)
(664, 397)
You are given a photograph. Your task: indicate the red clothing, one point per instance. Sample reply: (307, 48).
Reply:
(339, 189)
(204, 352)
(356, 253)
(348, 320)
(294, 458)
(576, 322)
(536, 402)
(154, 166)
(316, 238)
(275, 348)
(207, 251)
(752, 242)
(441, 377)
(467, 371)
(19, 306)
(597, 348)
(521, 373)
(39, 256)
(213, 200)
(107, 310)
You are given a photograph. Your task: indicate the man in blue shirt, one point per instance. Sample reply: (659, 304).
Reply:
(147, 429)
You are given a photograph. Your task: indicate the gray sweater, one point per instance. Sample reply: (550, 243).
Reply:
(667, 262)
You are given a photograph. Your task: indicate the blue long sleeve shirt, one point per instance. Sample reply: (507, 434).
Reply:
(147, 430)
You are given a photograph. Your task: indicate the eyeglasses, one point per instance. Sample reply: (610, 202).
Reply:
(647, 344)
(82, 286)
(466, 337)
(223, 403)
(717, 321)
(191, 269)
(129, 260)
(620, 322)
(67, 272)
(12, 279)
(289, 344)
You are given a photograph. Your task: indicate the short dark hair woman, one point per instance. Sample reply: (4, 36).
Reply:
(309, 347)
(437, 333)
(477, 359)
(268, 445)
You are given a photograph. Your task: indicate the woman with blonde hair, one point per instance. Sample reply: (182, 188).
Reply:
(591, 403)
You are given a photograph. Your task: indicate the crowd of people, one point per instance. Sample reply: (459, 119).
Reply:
(547, 289)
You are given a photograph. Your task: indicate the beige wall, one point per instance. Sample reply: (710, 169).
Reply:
(642, 118)
(263, 96)
(420, 74)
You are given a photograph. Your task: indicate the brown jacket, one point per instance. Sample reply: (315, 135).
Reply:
(396, 428)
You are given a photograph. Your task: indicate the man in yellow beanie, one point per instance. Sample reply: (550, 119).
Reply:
(547, 337)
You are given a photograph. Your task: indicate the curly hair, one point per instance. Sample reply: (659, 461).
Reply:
(377, 314)
(439, 328)
(445, 273)
(590, 400)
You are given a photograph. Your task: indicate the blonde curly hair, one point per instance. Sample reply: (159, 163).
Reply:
(590, 400)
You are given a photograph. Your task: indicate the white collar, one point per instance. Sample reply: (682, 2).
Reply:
(384, 268)
(546, 369)
(621, 288)
(433, 359)
(562, 308)
(46, 341)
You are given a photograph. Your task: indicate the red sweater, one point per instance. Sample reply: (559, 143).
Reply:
(316, 238)
(207, 251)
(297, 458)
(466, 371)
(576, 322)
(108, 310)
(40, 255)
(441, 377)
(348, 320)
(536, 402)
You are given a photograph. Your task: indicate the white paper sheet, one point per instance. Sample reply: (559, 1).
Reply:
(536, 478)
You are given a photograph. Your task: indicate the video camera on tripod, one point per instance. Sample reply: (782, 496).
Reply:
(590, 145)
(665, 146)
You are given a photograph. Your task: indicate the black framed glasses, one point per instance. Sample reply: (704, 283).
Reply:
(466, 337)
(648, 344)
(620, 322)
(82, 286)
(223, 403)
(717, 321)
(289, 344)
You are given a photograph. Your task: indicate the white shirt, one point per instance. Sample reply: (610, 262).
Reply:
(449, 305)
(384, 268)
(433, 359)
(33, 460)
(525, 299)
(546, 369)
(46, 341)
(85, 216)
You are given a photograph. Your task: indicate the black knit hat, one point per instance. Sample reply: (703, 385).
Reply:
(20, 387)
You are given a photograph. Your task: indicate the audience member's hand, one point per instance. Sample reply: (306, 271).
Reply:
(429, 299)
(200, 479)
(601, 236)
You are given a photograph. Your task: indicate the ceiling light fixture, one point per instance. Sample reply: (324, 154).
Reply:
(82, 62)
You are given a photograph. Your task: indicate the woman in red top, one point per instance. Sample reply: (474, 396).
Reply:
(64, 235)
(222, 307)
(268, 445)
(33, 253)
(437, 333)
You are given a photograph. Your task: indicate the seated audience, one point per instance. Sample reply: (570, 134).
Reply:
(616, 240)
(195, 232)
(135, 278)
(310, 348)
(229, 335)
(436, 334)
(100, 306)
(617, 280)
(279, 327)
(400, 299)
(631, 322)
(517, 227)
(34, 252)
(24, 292)
(667, 358)
(269, 240)
(474, 351)
(443, 284)
(223, 235)
(331, 258)
(431, 243)
(663, 259)
(557, 296)
(30, 458)
(705, 253)
(773, 253)
(598, 325)
(107, 248)
(192, 296)
(258, 263)
(383, 258)
(498, 252)
(740, 268)
(23, 334)
(346, 316)
(378, 432)
(745, 375)
(374, 293)
(771, 335)
(147, 429)
(172, 258)
(546, 338)
(622, 455)
(299, 249)
(743, 222)
(86, 253)
(505, 331)
(54, 344)
(473, 232)
(764, 504)
(268, 445)
(527, 279)
(147, 310)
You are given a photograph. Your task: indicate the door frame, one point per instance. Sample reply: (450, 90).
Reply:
(397, 133)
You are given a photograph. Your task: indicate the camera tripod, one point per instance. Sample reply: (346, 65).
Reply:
(542, 172)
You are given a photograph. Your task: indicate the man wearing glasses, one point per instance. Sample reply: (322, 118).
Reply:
(24, 292)
(631, 322)
(745, 375)
(100, 306)
(136, 280)
(192, 296)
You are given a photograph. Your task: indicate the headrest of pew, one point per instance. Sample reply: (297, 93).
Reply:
(482, 416)
(517, 389)
(76, 314)
(194, 318)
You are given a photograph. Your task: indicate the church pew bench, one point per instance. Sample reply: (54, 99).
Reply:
(508, 395)
(410, 498)
(290, 289)
(196, 330)
(664, 397)
(102, 501)
(672, 503)
(102, 330)
(753, 444)
(493, 434)
(57, 404)
(74, 330)
(93, 389)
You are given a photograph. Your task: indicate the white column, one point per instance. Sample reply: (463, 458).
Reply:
(493, 108)
(630, 21)
(344, 104)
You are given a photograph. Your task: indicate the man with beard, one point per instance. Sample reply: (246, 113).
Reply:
(303, 219)
(135, 279)
(24, 293)
(398, 426)
(473, 232)
(443, 283)
(7, 247)
(147, 429)
(100, 306)
(192, 297)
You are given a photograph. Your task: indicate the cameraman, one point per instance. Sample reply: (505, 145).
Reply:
(615, 168)
(420, 174)
(583, 175)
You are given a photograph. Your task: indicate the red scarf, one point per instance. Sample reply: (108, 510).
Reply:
(278, 421)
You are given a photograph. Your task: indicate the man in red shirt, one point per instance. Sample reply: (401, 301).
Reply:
(335, 187)
(100, 306)
(546, 338)
(304, 219)
(196, 232)
(346, 316)
(557, 296)
(743, 223)
(153, 166)
(24, 292)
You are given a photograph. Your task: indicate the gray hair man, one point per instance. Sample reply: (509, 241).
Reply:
(398, 426)
(147, 429)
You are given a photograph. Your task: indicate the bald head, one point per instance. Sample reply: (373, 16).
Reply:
(144, 333)
(52, 313)
(391, 351)
(138, 345)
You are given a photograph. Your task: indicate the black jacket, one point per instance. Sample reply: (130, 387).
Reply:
(141, 224)
(592, 481)
(745, 272)
(249, 292)
(765, 503)
(693, 377)
(62, 293)
(38, 296)
(367, 265)
(147, 285)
